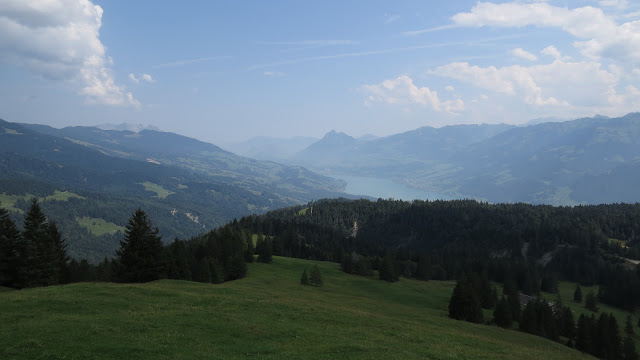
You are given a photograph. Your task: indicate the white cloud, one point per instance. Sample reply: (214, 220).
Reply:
(554, 53)
(147, 78)
(576, 85)
(402, 91)
(524, 54)
(620, 4)
(450, 88)
(601, 35)
(60, 40)
(143, 77)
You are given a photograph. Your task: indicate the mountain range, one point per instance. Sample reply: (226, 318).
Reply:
(90, 181)
(588, 160)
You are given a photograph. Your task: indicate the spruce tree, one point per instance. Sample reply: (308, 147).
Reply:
(577, 294)
(35, 246)
(591, 302)
(514, 305)
(629, 349)
(235, 268)
(584, 334)
(11, 263)
(465, 303)
(140, 257)
(389, 268)
(315, 278)
(628, 326)
(250, 250)
(265, 252)
(502, 313)
(57, 258)
(304, 279)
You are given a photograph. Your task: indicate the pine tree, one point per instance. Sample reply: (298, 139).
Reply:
(304, 279)
(465, 303)
(265, 251)
(514, 305)
(591, 302)
(389, 268)
(35, 239)
(315, 278)
(10, 252)
(140, 257)
(628, 326)
(58, 260)
(577, 294)
(502, 313)
(583, 334)
(629, 349)
(250, 250)
(235, 268)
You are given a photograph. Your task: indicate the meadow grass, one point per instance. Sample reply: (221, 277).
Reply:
(160, 191)
(8, 201)
(62, 196)
(98, 226)
(267, 315)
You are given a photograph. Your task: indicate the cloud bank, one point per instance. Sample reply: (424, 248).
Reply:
(60, 40)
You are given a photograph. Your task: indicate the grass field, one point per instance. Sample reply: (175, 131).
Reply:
(99, 227)
(62, 196)
(7, 201)
(267, 316)
(160, 191)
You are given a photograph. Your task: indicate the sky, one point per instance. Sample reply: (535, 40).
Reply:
(227, 71)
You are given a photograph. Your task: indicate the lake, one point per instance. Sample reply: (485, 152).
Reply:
(385, 188)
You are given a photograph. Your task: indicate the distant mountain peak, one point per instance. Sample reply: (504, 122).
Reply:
(128, 127)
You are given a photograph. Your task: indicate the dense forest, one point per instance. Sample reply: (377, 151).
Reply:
(531, 245)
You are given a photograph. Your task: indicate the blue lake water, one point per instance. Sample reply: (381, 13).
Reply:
(385, 188)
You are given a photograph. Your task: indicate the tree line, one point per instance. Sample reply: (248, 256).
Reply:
(36, 256)
(599, 337)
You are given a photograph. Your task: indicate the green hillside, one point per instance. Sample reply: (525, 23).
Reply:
(268, 315)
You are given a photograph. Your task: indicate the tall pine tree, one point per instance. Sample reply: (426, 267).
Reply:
(10, 252)
(140, 257)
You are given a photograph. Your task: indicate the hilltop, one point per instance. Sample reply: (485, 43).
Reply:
(267, 315)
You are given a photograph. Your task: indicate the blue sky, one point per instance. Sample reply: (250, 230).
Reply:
(226, 71)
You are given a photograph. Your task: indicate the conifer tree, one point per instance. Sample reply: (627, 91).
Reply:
(10, 252)
(250, 250)
(591, 302)
(217, 273)
(514, 305)
(265, 252)
(235, 268)
(628, 326)
(35, 239)
(304, 279)
(389, 268)
(465, 303)
(315, 278)
(583, 334)
(57, 258)
(629, 349)
(502, 313)
(140, 257)
(577, 294)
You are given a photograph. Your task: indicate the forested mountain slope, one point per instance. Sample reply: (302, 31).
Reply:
(107, 189)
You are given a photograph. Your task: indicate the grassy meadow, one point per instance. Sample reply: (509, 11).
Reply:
(268, 315)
